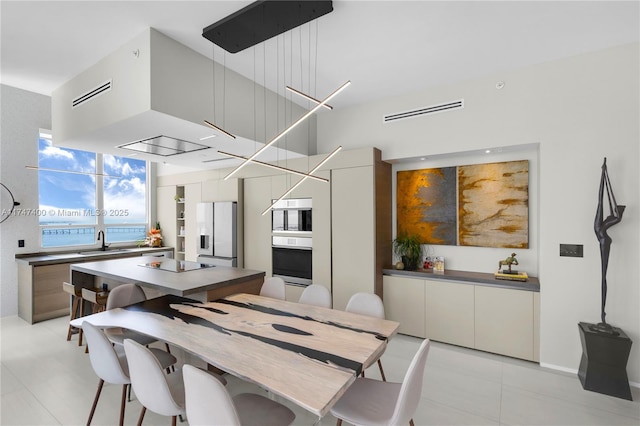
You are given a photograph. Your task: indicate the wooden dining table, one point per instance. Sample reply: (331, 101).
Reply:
(308, 355)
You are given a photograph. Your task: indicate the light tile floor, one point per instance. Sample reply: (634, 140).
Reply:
(46, 380)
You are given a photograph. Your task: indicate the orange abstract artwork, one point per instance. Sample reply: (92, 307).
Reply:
(426, 204)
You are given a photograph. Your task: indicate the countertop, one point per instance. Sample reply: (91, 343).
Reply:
(478, 278)
(177, 283)
(40, 259)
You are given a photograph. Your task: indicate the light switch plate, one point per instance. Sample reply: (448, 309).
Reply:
(571, 250)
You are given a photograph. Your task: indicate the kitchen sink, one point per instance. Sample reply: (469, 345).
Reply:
(99, 252)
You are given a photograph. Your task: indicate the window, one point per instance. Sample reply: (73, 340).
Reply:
(81, 193)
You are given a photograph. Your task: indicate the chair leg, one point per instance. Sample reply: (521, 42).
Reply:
(74, 315)
(123, 403)
(173, 420)
(339, 422)
(144, 410)
(82, 307)
(166, 345)
(411, 422)
(95, 401)
(384, 379)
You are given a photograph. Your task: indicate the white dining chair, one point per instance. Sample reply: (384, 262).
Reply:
(273, 287)
(371, 305)
(374, 403)
(316, 295)
(110, 364)
(209, 403)
(161, 393)
(121, 296)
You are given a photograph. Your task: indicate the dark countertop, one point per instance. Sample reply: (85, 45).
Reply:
(477, 278)
(40, 259)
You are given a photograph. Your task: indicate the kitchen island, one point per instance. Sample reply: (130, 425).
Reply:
(168, 276)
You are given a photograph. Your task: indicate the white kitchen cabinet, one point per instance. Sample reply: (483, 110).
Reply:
(449, 313)
(504, 321)
(404, 303)
(360, 228)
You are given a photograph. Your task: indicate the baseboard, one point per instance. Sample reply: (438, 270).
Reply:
(575, 371)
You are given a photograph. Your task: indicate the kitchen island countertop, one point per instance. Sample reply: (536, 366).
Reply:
(204, 284)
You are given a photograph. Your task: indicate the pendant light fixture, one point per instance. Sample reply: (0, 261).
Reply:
(255, 24)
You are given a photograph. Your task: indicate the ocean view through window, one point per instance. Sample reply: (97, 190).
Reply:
(81, 193)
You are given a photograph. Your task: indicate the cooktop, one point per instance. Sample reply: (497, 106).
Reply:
(173, 265)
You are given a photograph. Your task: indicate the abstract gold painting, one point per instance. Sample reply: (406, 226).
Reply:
(426, 204)
(493, 205)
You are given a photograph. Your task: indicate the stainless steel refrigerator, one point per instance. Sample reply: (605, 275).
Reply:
(217, 233)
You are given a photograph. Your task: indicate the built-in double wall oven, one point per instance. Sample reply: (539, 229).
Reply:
(291, 241)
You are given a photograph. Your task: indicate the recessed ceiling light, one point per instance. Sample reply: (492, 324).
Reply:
(423, 158)
(208, 137)
(488, 151)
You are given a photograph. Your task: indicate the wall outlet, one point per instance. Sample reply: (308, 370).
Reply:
(20, 243)
(571, 250)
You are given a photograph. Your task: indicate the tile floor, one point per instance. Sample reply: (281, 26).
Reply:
(46, 380)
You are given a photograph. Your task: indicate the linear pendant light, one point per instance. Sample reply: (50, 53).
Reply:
(307, 97)
(273, 166)
(69, 171)
(288, 129)
(334, 152)
(210, 124)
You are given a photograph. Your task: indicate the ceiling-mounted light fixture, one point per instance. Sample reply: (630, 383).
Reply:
(288, 129)
(290, 190)
(221, 130)
(307, 97)
(273, 166)
(255, 24)
(69, 171)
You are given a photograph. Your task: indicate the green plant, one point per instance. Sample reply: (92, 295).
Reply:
(408, 247)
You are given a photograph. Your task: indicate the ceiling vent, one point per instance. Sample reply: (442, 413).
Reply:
(449, 106)
(91, 94)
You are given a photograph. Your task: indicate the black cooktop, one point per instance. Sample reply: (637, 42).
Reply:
(173, 265)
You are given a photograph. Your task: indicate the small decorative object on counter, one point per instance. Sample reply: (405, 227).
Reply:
(409, 249)
(511, 260)
(400, 265)
(154, 237)
(428, 263)
(438, 264)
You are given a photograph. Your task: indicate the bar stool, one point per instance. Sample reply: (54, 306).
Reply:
(98, 300)
(77, 308)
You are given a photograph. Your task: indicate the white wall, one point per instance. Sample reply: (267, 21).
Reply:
(579, 109)
(23, 114)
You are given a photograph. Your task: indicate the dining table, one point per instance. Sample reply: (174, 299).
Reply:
(306, 354)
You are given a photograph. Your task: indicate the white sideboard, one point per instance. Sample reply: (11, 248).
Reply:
(501, 317)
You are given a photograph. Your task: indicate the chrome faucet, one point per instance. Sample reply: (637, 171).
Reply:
(104, 246)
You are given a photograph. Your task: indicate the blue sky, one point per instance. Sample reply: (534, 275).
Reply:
(124, 195)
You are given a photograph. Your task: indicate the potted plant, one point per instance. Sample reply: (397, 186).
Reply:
(409, 249)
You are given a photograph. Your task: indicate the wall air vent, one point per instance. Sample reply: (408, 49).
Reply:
(91, 94)
(449, 106)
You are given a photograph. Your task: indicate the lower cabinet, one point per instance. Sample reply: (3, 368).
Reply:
(491, 319)
(450, 312)
(504, 321)
(404, 303)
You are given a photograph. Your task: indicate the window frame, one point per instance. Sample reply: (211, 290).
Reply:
(100, 224)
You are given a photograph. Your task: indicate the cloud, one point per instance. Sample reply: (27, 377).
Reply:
(51, 151)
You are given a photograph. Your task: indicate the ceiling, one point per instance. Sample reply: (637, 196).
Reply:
(386, 48)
